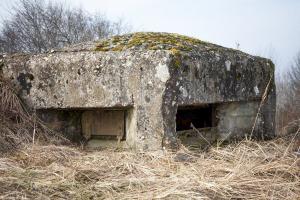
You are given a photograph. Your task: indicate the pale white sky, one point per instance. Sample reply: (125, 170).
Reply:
(269, 28)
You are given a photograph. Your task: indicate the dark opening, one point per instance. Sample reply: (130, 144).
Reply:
(77, 124)
(66, 122)
(200, 116)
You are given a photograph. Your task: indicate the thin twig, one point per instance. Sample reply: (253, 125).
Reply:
(265, 94)
(34, 124)
(198, 132)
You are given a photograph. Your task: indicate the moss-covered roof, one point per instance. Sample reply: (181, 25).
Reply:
(178, 45)
(150, 41)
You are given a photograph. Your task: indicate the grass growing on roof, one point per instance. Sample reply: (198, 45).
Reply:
(179, 45)
(149, 41)
(175, 43)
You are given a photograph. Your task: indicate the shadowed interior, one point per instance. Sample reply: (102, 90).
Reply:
(81, 124)
(199, 116)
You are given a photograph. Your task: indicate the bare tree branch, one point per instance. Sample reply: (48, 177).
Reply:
(288, 93)
(38, 26)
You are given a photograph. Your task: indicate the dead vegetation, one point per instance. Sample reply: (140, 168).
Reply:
(17, 125)
(246, 170)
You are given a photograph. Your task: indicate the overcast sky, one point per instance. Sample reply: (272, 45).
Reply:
(269, 28)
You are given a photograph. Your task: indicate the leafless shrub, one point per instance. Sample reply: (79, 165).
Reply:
(288, 96)
(294, 75)
(38, 26)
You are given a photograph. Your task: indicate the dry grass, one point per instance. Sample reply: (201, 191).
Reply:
(246, 170)
(17, 125)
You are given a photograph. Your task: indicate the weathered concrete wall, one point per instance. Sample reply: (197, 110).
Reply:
(237, 119)
(214, 77)
(74, 80)
(85, 80)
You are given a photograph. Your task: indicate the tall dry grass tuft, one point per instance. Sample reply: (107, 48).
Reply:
(17, 125)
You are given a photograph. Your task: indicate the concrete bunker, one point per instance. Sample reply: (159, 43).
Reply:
(156, 79)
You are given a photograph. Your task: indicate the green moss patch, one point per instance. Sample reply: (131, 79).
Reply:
(149, 41)
(175, 43)
(179, 46)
